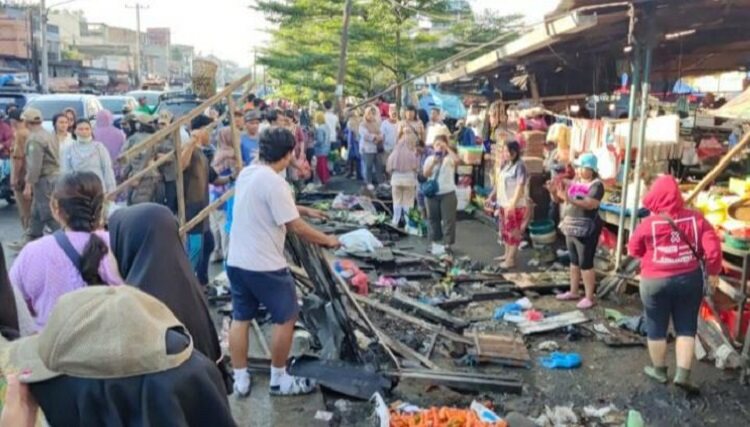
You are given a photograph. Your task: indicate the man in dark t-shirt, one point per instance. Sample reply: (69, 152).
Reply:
(197, 175)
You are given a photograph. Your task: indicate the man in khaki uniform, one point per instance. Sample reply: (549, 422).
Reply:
(42, 171)
(18, 167)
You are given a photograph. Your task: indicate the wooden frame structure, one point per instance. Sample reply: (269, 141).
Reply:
(174, 155)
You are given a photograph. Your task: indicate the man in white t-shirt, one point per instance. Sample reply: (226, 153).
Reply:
(263, 211)
(333, 124)
(435, 127)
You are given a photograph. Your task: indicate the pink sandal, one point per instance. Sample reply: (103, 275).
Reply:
(585, 304)
(567, 296)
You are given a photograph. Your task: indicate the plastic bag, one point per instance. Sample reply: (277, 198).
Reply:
(360, 241)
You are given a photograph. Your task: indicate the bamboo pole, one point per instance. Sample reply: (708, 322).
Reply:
(718, 169)
(180, 184)
(128, 182)
(206, 212)
(175, 125)
(235, 134)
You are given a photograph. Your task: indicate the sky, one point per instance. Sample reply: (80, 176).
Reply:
(229, 29)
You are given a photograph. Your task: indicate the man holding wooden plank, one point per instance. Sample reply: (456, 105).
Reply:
(263, 211)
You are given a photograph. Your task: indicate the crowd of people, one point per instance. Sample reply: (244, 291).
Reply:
(99, 256)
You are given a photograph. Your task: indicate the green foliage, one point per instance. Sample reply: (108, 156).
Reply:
(388, 41)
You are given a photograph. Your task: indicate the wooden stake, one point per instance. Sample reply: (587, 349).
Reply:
(235, 134)
(718, 169)
(177, 144)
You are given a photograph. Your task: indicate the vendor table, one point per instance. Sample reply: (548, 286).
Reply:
(741, 300)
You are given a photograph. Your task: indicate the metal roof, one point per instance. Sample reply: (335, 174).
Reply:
(581, 33)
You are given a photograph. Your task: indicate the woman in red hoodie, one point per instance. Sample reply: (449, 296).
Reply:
(671, 277)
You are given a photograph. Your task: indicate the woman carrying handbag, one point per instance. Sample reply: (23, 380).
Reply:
(680, 258)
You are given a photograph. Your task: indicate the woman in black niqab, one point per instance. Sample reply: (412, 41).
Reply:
(146, 243)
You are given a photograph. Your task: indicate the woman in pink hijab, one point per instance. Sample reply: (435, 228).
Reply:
(112, 138)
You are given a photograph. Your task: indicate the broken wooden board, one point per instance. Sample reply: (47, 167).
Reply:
(502, 348)
(429, 312)
(575, 317)
(540, 282)
(499, 293)
(463, 381)
(387, 309)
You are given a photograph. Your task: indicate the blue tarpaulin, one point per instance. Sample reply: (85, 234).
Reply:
(452, 105)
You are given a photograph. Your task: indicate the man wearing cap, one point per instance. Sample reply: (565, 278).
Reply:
(116, 356)
(168, 170)
(18, 167)
(249, 139)
(42, 170)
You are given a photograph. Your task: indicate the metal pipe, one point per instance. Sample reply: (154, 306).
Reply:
(645, 89)
(636, 70)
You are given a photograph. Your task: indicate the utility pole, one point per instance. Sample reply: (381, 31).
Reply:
(138, 55)
(340, 80)
(45, 48)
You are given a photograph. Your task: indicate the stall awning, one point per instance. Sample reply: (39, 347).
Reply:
(538, 37)
(737, 108)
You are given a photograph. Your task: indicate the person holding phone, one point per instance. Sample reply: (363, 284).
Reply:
(443, 206)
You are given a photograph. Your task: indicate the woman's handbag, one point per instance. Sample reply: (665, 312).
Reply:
(430, 187)
(701, 261)
(580, 227)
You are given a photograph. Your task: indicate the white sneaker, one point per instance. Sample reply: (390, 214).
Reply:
(437, 249)
(561, 253)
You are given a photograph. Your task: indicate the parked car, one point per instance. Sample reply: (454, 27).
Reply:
(116, 103)
(84, 105)
(178, 104)
(19, 97)
(152, 96)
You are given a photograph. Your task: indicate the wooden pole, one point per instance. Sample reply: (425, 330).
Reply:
(197, 111)
(206, 212)
(718, 169)
(235, 134)
(177, 144)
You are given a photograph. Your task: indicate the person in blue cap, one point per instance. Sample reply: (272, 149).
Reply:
(582, 226)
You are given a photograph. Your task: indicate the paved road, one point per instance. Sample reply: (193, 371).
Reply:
(10, 227)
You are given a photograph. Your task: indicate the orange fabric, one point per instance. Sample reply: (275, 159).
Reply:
(441, 417)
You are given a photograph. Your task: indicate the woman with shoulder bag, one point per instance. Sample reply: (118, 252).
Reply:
(581, 226)
(440, 194)
(677, 248)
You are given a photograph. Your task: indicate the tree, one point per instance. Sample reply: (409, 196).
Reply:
(389, 40)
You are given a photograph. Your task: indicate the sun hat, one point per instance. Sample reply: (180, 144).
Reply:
(587, 160)
(98, 332)
(32, 115)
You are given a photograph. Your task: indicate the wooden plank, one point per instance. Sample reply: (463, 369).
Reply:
(235, 134)
(206, 211)
(434, 314)
(175, 125)
(180, 183)
(413, 320)
(718, 169)
(575, 317)
(405, 350)
(463, 380)
(505, 349)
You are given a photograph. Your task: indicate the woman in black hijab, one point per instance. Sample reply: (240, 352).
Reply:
(8, 313)
(146, 243)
